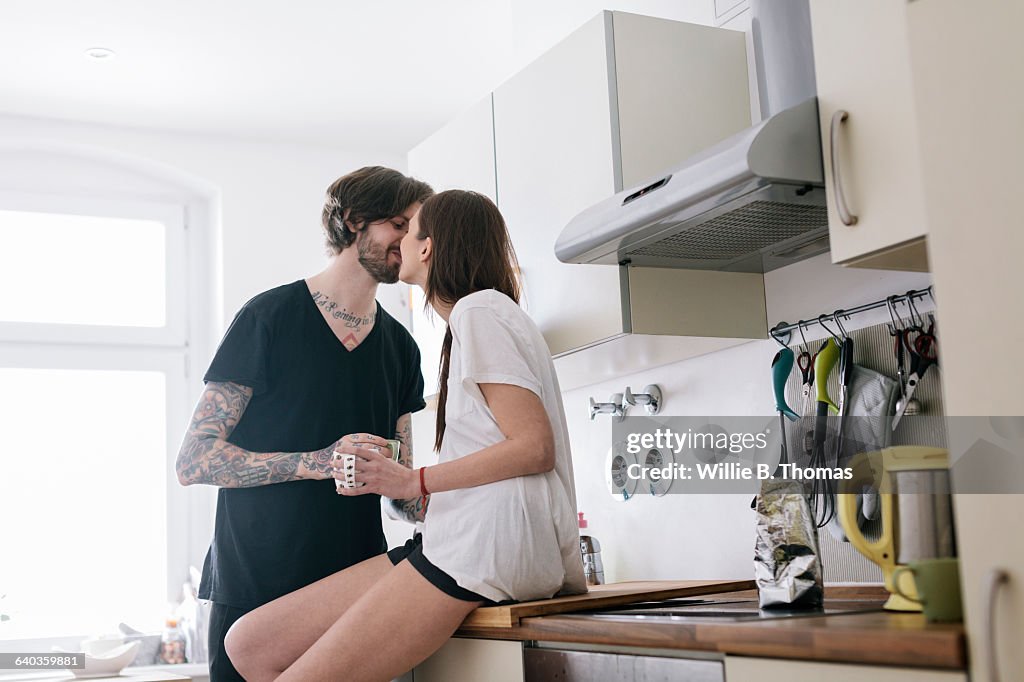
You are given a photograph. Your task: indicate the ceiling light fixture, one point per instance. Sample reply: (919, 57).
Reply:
(100, 53)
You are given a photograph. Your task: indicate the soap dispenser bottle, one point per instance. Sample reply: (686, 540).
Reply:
(590, 549)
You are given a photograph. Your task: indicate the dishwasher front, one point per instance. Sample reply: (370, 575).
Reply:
(546, 663)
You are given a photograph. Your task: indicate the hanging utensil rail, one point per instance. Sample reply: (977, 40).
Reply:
(787, 328)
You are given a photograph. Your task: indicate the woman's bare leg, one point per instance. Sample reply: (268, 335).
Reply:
(398, 623)
(267, 640)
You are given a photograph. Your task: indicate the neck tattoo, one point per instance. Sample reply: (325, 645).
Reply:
(350, 319)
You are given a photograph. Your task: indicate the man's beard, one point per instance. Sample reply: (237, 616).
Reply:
(374, 258)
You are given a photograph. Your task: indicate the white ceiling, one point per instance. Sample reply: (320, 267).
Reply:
(367, 75)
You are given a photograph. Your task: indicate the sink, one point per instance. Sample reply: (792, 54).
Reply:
(732, 610)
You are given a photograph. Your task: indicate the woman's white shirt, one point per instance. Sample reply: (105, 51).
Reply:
(517, 538)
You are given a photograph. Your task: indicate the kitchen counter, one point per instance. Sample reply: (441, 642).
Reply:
(864, 637)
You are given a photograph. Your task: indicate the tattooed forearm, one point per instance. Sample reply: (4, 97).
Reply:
(351, 320)
(207, 457)
(318, 461)
(403, 434)
(413, 509)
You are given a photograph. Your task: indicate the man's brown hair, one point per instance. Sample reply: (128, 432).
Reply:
(366, 196)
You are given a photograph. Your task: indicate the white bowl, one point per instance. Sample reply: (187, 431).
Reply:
(99, 646)
(108, 663)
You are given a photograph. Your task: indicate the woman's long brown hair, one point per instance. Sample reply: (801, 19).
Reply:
(472, 252)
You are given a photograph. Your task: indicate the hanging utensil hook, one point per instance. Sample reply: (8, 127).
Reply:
(775, 334)
(821, 321)
(837, 318)
(915, 316)
(896, 326)
(912, 321)
(803, 339)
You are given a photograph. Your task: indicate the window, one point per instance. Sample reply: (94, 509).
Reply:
(96, 256)
(93, 362)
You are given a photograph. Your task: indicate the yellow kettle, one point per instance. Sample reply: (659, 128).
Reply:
(916, 507)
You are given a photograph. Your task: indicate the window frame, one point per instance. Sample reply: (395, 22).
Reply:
(166, 349)
(171, 215)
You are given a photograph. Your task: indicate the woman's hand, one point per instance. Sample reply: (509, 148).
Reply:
(378, 471)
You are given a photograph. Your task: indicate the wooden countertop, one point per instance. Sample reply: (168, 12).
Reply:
(881, 637)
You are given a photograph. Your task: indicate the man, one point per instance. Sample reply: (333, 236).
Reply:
(305, 368)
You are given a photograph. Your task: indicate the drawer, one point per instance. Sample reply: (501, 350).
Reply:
(565, 665)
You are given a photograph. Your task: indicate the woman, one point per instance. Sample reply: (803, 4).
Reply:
(501, 523)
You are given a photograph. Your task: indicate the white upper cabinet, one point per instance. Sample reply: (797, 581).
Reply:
(876, 204)
(555, 156)
(461, 154)
(610, 107)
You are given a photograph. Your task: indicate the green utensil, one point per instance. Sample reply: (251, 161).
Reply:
(827, 358)
(782, 365)
(823, 505)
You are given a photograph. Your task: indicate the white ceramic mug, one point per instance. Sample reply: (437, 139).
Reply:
(348, 467)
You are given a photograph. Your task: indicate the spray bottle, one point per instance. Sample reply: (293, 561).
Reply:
(590, 549)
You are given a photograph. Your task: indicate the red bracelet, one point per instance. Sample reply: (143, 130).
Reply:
(423, 486)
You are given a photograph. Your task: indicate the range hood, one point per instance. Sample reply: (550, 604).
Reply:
(752, 203)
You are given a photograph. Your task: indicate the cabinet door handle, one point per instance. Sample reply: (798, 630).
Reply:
(837, 183)
(994, 580)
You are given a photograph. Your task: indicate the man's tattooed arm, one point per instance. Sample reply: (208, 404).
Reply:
(414, 509)
(207, 457)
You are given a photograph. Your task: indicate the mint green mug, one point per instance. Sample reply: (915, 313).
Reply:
(938, 588)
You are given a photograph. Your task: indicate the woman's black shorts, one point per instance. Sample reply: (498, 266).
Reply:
(413, 551)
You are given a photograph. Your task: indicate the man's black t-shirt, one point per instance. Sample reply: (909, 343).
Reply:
(308, 391)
